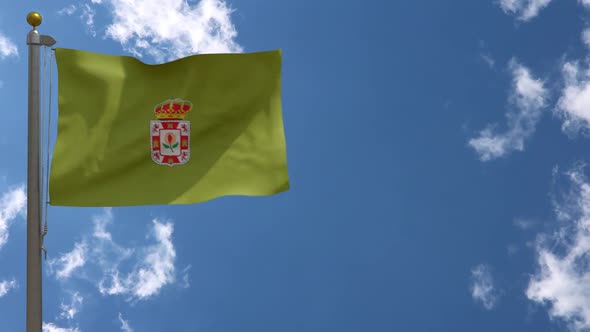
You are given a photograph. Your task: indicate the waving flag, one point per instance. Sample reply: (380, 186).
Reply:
(182, 132)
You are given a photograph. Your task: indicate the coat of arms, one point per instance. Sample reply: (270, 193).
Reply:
(170, 133)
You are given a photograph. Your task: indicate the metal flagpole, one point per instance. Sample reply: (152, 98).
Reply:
(34, 291)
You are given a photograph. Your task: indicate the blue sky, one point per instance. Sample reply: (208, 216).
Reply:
(437, 154)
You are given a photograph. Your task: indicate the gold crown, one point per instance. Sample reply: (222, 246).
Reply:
(173, 109)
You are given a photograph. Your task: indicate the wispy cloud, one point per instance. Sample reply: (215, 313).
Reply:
(7, 47)
(488, 60)
(482, 286)
(6, 286)
(125, 327)
(182, 28)
(106, 252)
(185, 278)
(524, 224)
(65, 265)
(84, 12)
(485, 54)
(154, 270)
(523, 9)
(528, 97)
(563, 278)
(51, 327)
(69, 10)
(586, 37)
(100, 225)
(69, 311)
(12, 203)
(574, 104)
(157, 268)
(87, 17)
(512, 249)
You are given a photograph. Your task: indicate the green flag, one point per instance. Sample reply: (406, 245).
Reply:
(182, 132)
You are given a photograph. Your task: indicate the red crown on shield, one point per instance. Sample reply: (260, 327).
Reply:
(173, 109)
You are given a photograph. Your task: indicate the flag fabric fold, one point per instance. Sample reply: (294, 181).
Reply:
(181, 132)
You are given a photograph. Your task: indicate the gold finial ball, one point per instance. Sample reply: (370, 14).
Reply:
(34, 19)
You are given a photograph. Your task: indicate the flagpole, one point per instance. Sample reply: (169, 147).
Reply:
(34, 290)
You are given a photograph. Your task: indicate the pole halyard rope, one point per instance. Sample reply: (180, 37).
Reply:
(43, 79)
(47, 147)
(42, 141)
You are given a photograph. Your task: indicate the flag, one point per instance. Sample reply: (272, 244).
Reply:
(181, 132)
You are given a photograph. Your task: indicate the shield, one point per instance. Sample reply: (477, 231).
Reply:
(170, 142)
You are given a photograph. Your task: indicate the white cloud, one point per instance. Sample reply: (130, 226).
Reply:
(170, 29)
(69, 262)
(489, 145)
(529, 93)
(586, 37)
(185, 279)
(488, 60)
(69, 311)
(125, 327)
(50, 327)
(87, 17)
(482, 286)
(563, 278)
(6, 286)
(12, 204)
(574, 104)
(524, 224)
(99, 249)
(512, 249)
(524, 9)
(157, 268)
(105, 252)
(87, 14)
(154, 271)
(529, 98)
(7, 47)
(69, 10)
(153, 267)
(585, 3)
(100, 225)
